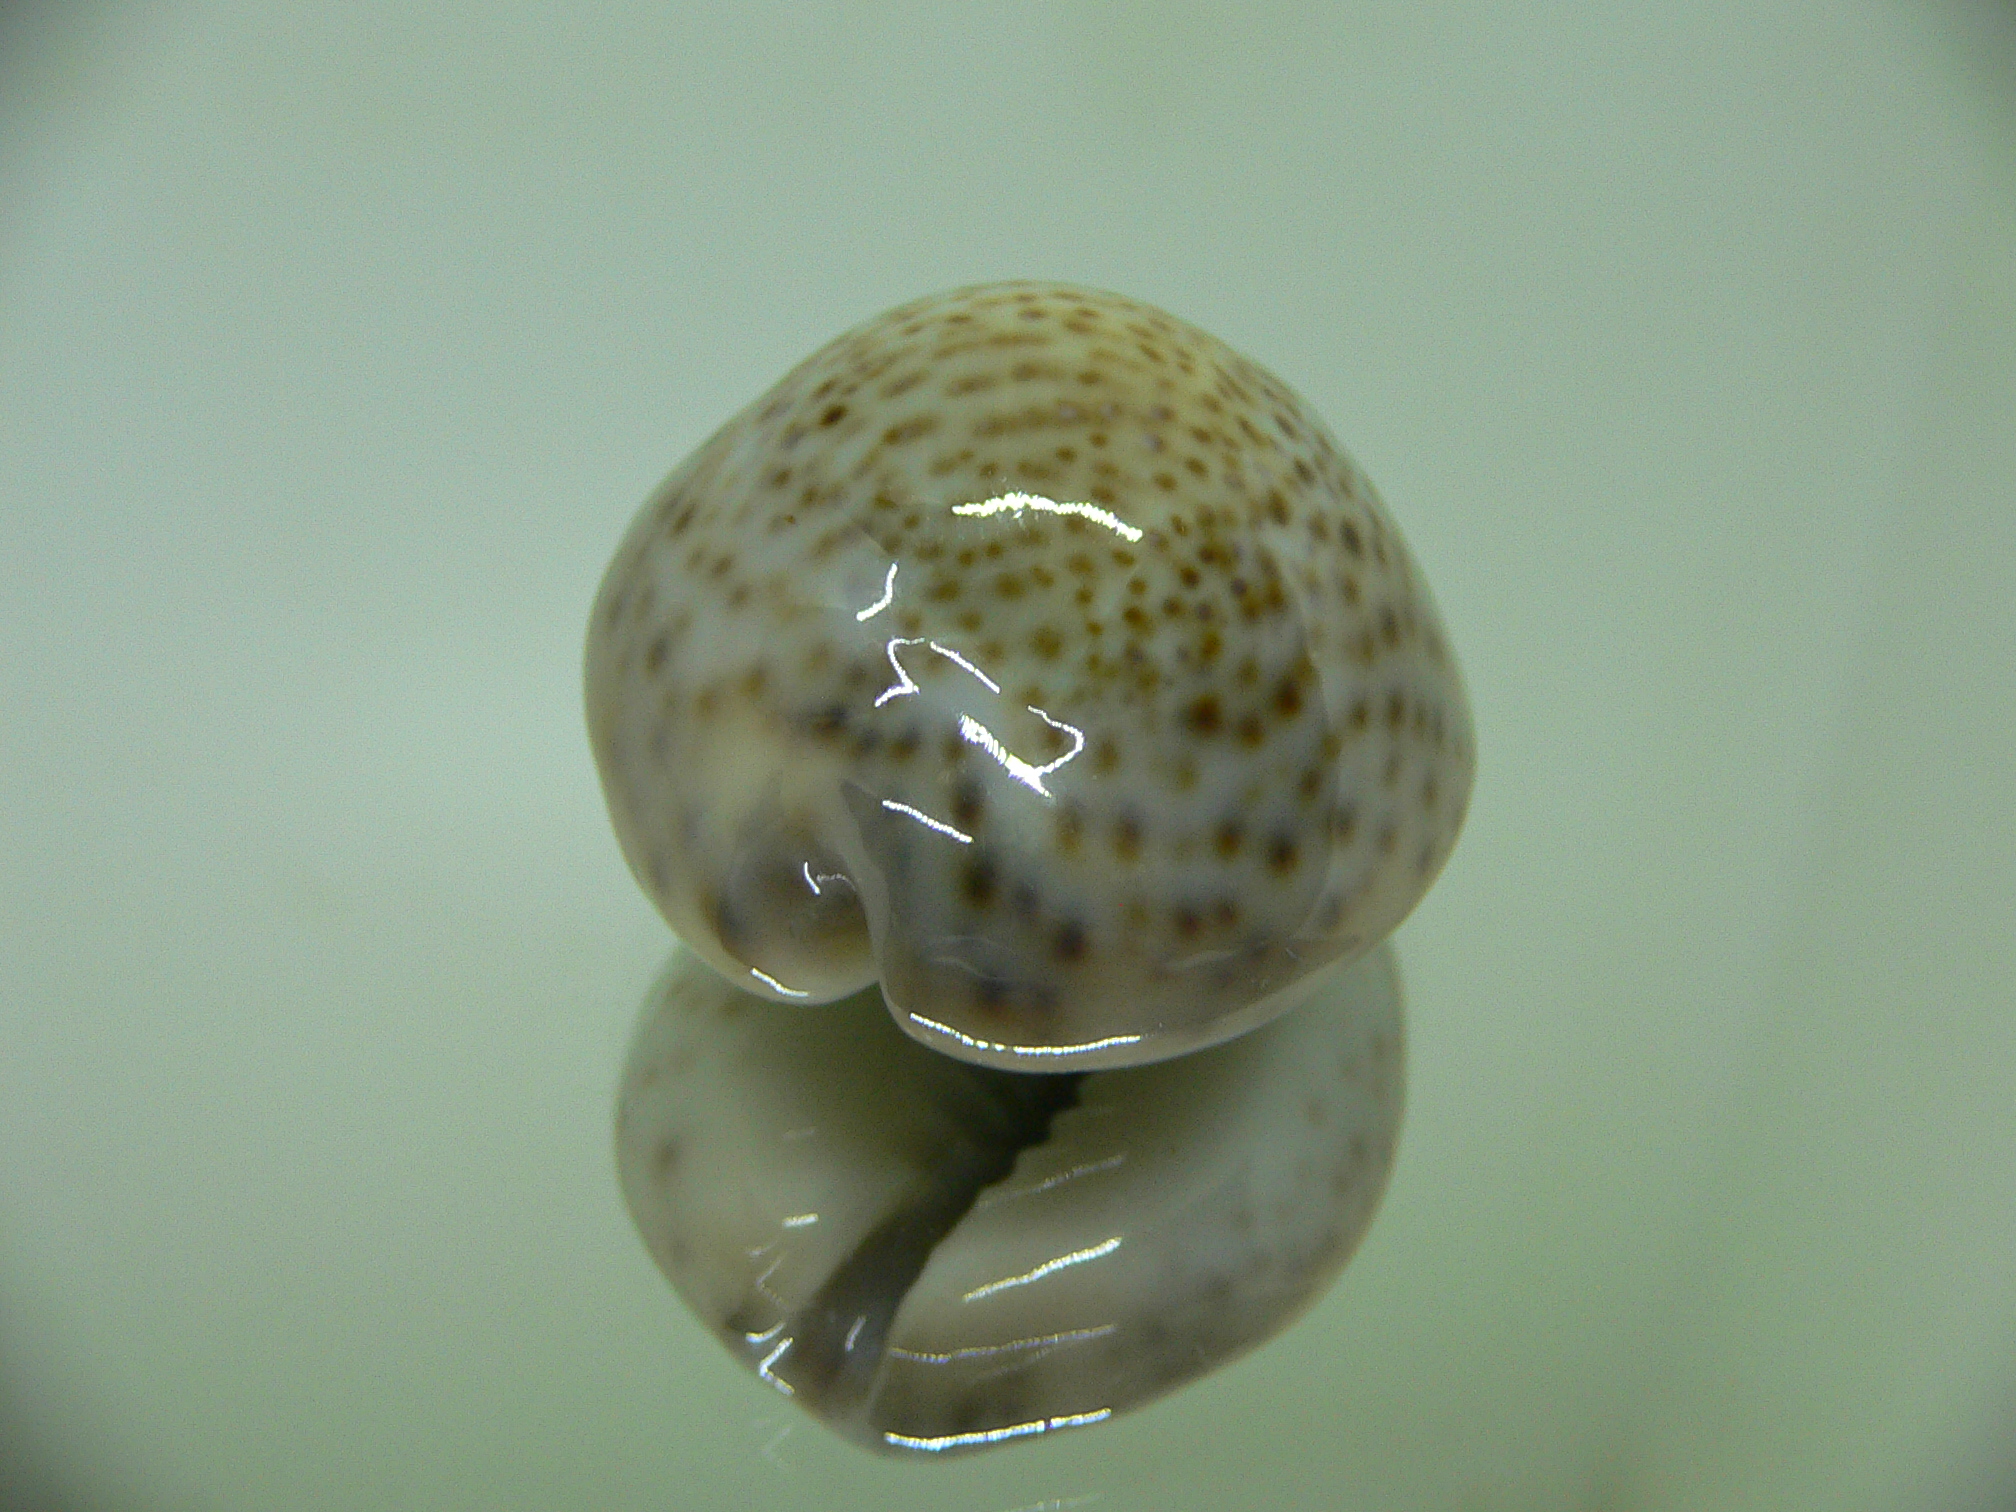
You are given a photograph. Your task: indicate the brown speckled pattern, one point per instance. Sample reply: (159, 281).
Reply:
(1035, 653)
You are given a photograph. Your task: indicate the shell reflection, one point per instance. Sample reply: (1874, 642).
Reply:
(934, 1256)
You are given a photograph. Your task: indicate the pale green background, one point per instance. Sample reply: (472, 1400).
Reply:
(337, 344)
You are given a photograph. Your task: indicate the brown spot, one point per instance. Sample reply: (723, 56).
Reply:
(978, 882)
(1229, 838)
(1127, 837)
(1068, 944)
(1070, 824)
(1282, 855)
(969, 804)
(834, 414)
(1204, 717)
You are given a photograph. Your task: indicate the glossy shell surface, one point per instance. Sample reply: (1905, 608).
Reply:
(1035, 655)
(934, 1256)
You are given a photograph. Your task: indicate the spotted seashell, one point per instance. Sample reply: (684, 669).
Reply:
(1035, 655)
(934, 1256)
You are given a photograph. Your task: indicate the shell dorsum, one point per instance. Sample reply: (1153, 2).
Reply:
(1034, 654)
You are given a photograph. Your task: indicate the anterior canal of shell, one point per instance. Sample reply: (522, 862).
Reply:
(934, 1256)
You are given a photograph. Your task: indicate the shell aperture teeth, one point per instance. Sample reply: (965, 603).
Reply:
(932, 1255)
(1034, 724)
(839, 1336)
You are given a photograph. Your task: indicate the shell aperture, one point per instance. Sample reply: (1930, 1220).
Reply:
(935, 1257)
(1030, 679)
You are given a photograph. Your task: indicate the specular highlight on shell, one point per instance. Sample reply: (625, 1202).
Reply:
(935, 1257)
(1029, 673)
(1036, 656)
